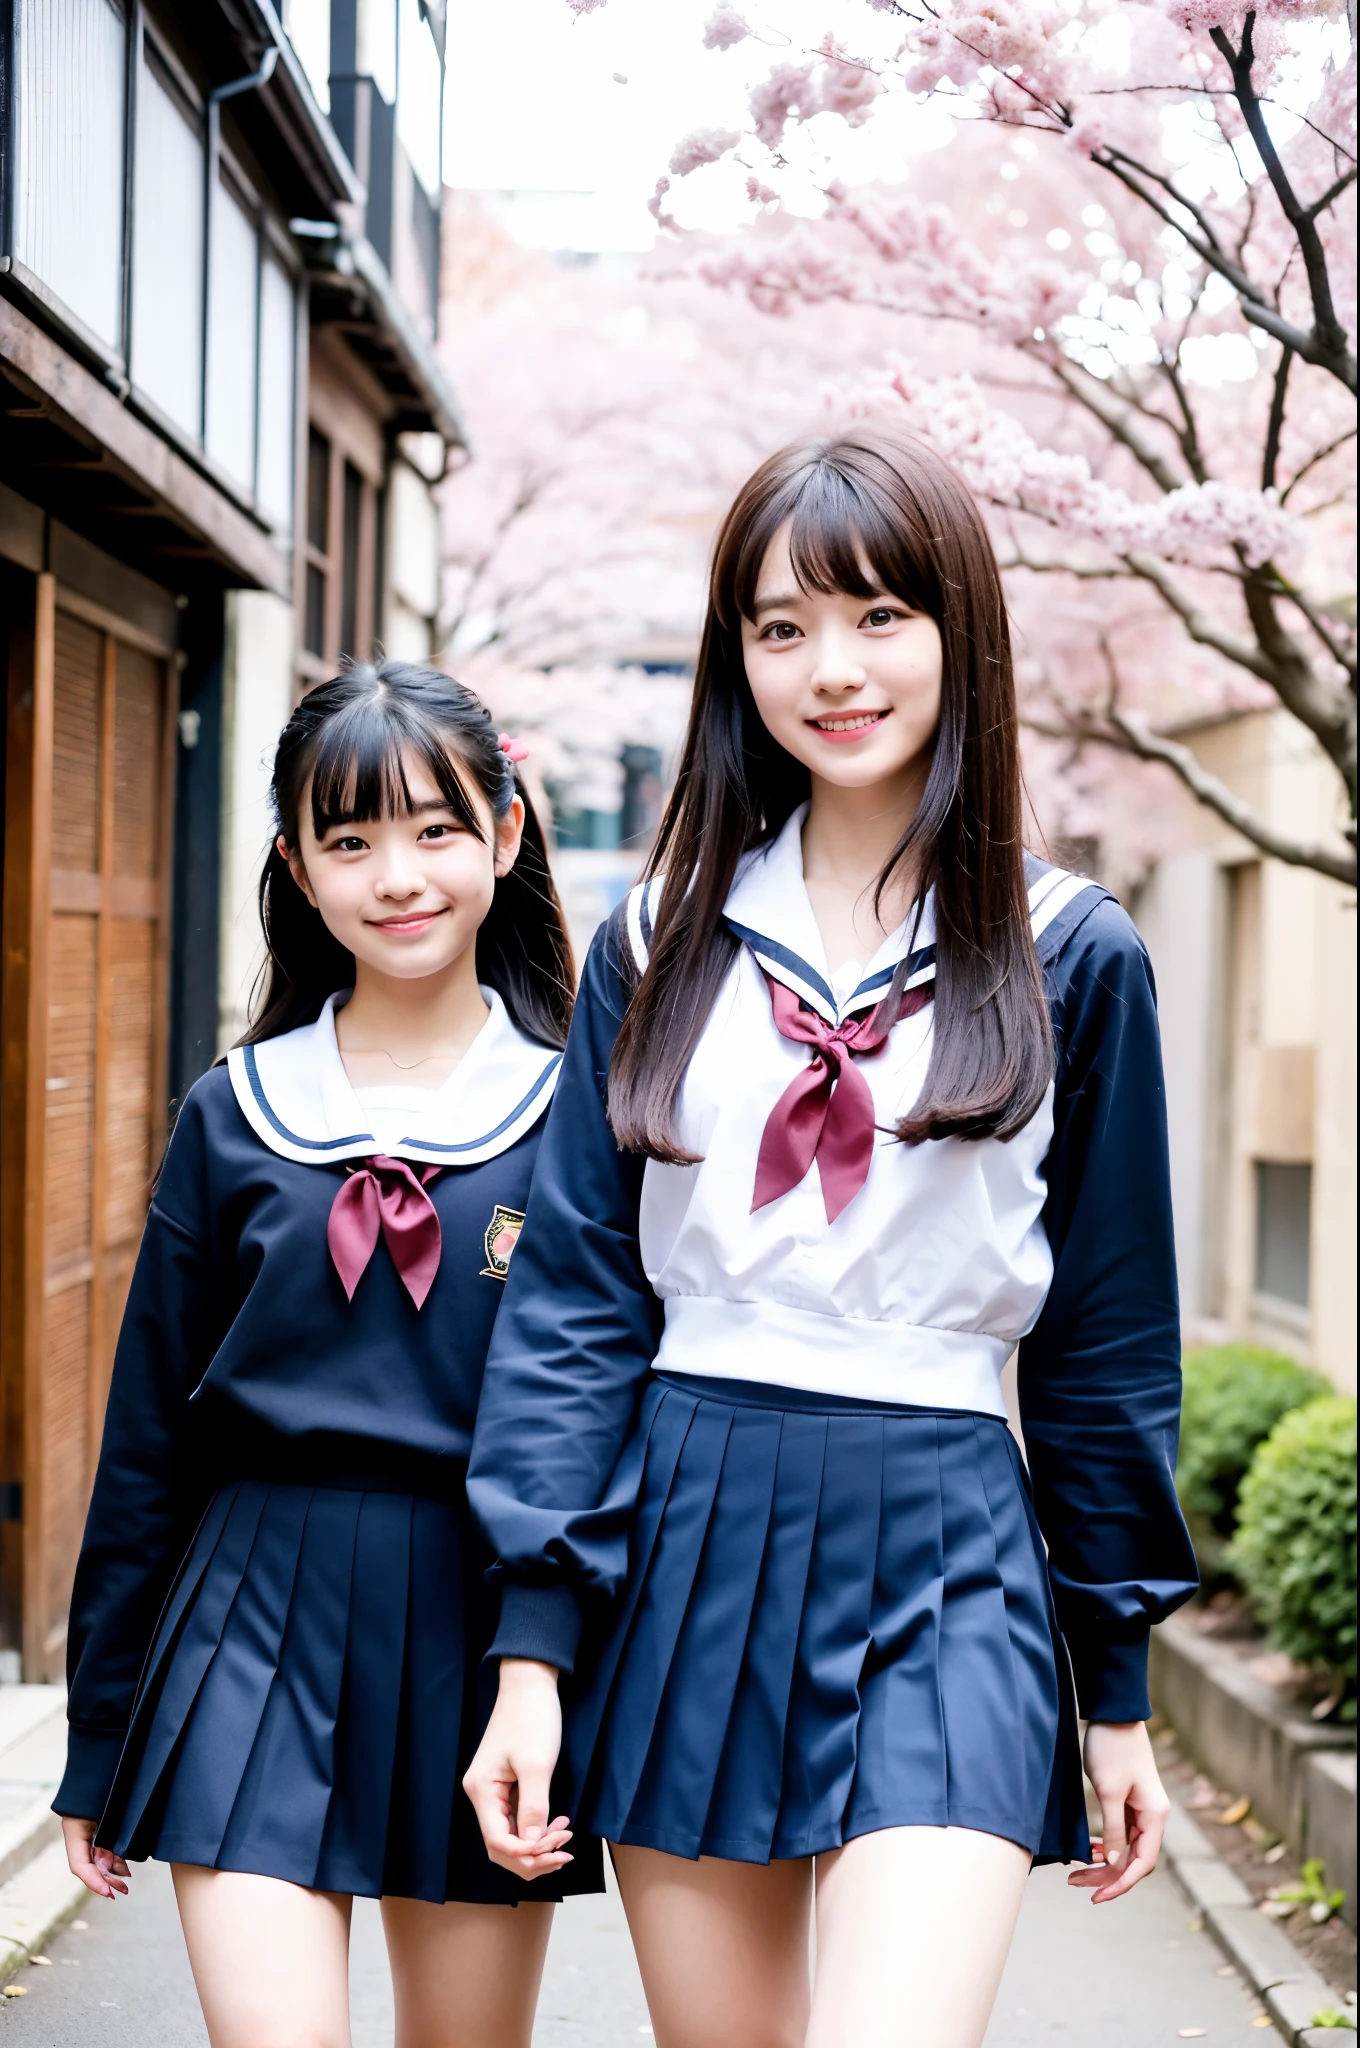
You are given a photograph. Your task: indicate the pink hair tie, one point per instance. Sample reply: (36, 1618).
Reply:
(513, 749)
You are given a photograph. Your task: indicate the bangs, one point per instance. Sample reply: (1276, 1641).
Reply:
(358, 773)
(847, 534)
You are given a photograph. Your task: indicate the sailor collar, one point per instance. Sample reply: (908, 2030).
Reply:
(299, 1101)
(769, 910)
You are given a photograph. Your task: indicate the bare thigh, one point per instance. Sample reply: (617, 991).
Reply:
(465, 1976)
(913, 1927)
(722, 1947)
(270, 1960)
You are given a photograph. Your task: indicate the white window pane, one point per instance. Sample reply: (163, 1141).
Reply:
(377, 45)
(68, 210)
(167, 256)
(233, 289)
(278, 361)
(419, 83)
(307, 24)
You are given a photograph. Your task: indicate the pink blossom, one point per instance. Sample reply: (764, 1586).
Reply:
(584, 6)
(774, 101)
(759, 194)
(725, 27)
(701, 146)
(1003, 464)
(844, 85)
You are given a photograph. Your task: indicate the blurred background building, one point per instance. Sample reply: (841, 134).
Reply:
(223, 422)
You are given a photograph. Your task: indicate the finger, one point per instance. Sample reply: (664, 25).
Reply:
(1145, 1848)
(1114, 1834)
(531, 1803)
(1139, 1866)
(530, 1867)
(83, 1866)
(112, 1869)
(504, 1840)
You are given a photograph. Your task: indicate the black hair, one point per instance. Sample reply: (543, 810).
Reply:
(868, 511)
(347, 738)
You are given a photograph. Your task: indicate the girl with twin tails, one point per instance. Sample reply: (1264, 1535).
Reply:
(858, 1098)
(280, 1617)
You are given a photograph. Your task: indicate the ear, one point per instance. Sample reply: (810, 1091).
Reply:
(509, 833)
(295, 868)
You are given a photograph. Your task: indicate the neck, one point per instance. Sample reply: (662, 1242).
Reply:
(437, 1015)
(849, 835)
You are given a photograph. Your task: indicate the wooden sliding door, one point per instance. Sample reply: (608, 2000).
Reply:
(87, 845)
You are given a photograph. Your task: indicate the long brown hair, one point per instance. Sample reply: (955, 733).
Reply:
(869, 504)
(342, 750)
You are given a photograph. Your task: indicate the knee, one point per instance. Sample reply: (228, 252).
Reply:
(275, 2033)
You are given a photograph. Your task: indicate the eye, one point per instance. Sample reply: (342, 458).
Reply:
(882, 615)
(440, 831)
(349, 843)
(781, 629)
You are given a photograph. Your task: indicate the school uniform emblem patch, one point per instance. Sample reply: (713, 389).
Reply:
(502, 1235)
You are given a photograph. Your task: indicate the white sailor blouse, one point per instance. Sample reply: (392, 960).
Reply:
(298, 1275)
(915, 1290)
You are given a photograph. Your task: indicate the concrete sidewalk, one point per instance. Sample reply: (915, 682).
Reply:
(1135, 1975)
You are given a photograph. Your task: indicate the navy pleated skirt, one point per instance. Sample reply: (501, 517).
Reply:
(313, 1696)
(837, 1619)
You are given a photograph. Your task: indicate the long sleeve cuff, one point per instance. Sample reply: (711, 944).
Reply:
(91, 1760)
(542, 1622)
(1111, 1677)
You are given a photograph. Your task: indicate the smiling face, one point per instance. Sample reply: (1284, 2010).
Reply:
(850, 686)
(407, 893)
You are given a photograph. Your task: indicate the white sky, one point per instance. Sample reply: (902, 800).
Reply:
(533, 105)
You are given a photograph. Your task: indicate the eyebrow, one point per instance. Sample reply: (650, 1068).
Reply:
(416, 811)
(783, 600)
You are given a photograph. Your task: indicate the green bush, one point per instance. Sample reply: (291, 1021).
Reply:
(1294, 1550)
(1233, 1397)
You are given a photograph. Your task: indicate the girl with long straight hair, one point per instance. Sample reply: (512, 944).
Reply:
(858, 1098)
(279, 1616)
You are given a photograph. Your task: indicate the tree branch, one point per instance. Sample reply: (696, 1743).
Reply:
(1255, 308)
(1326, 708)
(1318, 455)
(1340, 655)
(1216, 795)
(1198, 623)
(1329, 334)
(1110, 573)
(1117, 417)
(1131, 735)
(1271, 458)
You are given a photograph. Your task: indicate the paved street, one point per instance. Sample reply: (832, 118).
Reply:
(1132, 1976)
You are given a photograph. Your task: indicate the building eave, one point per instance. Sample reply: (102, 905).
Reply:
(293, 108)
(356, 294)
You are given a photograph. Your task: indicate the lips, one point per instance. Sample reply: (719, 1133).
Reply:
(845, 730)
(414, 922)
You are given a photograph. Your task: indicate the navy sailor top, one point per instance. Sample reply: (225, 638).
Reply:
(238, 1334)
(952, 1255)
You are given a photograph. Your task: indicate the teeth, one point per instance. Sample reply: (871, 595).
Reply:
(848, 724)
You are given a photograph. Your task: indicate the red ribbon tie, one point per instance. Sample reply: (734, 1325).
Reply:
(827, 1112)
(384, 1195)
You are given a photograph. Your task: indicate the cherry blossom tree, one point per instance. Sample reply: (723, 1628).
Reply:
(612, 416)
(1161, 433)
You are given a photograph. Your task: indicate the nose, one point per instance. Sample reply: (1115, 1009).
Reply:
(837, 667)
(400, 878)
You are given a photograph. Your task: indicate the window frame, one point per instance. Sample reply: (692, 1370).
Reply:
(146, 42)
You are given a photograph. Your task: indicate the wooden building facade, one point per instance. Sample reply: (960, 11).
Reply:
(191, 307)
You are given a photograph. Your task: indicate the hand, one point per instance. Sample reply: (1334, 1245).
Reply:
(1133, 1808)
(509, 1781)
(98, 1869)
